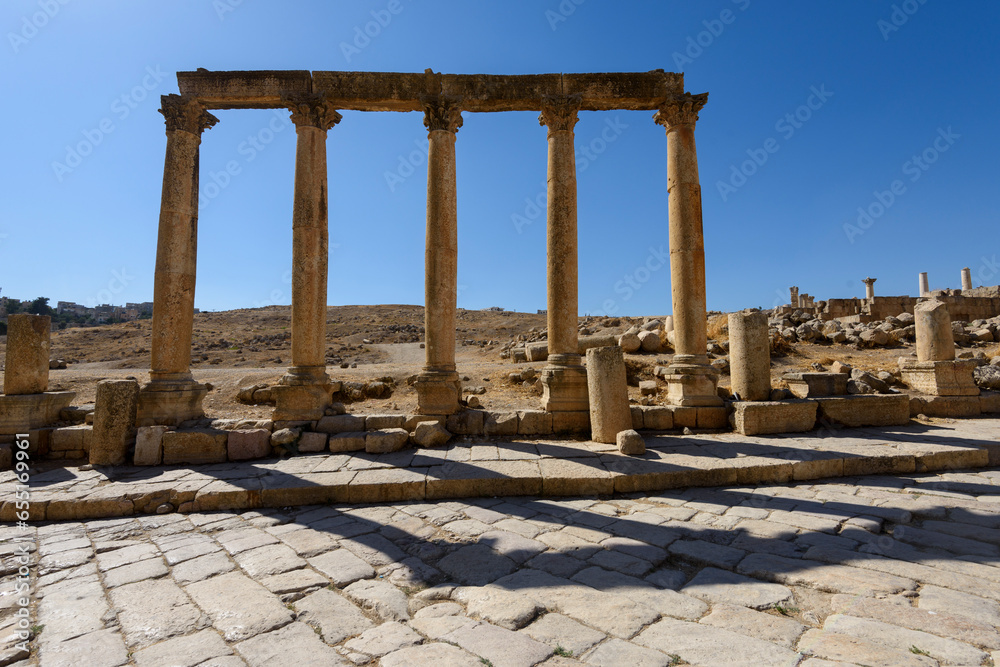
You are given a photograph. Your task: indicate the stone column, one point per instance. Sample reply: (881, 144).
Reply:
(114, 421)
(609, 409)
(966, 279)
(26, 366)
(172, 395)
(305, 389)
(564, 379)
(438, 387)
(935, 340)
(750, 355)
(691, 381)
(794, 292)
(924, 287)
(869, 287)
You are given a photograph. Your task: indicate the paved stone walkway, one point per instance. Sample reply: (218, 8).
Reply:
(483, 467)
(876, 570)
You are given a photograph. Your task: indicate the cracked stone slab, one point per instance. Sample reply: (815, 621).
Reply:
(294, 644)
(239, 607)
(336, 617)
(721, 586)
(151, 611)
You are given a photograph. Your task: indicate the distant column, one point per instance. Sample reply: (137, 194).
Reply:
(794, 297)
(690, 379)
(869, 287)
(966, 279)
(924, 288)
(564, 379)
(172, 395)
(438, 387)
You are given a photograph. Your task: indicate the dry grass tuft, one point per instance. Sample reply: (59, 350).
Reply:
(718, 327)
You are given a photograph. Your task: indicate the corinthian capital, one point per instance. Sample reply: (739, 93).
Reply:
(181, 112)
(559, 112)
(442, 113)
(311, 111)
(681, 110)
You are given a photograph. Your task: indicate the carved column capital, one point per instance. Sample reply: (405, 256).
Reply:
(681, 110)
(559, 112)
(181, 112)
(442, 113)
(311, 110)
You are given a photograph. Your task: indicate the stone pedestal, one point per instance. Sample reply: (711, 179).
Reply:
(935, 340)
(691, 381)
(22, 412)
(750, 355)
(26, 369)
(811, 385)
(438, 387)
(609, 409)
(115, 409)
(172, 395)
(564, 380)
(304, 391)
(940, 378)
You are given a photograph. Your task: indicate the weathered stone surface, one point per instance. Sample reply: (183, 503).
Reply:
(103, 648)
(498, 606)
(432, 434)
(27, 356)
(294, 644)
(630, 443)
(188, 651)
(657, 418)
(437, 654)
(383, 639)
(149, 445)
(534, 422)
(268, 560)
(667, 602)
(947, 651)
(151, 611)
(935, 341)
(767, 627)
(870, 410)
(750, 355)
(195, 446)
(503, 648)
(831, 578)
(609, 409)
(629, 343)
(312, 441)
(619, 652)
(114, 421)
(720, 586)
(705, 645)
(240, 608)
(649, 341)
(476, 565)
(466, 422)
(342, 566)
(386, 441)
(943, 600)
(201, 568)
(380, 598)
(813, 385)
(341, 424)
(348, 442)
(856, 651)
(244, 445)
(557, 631)
(336, 617)
(767, 417)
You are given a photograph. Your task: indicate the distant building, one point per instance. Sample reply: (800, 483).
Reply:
(494, 309)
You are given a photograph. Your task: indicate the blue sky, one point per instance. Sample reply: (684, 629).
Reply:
(806, 148)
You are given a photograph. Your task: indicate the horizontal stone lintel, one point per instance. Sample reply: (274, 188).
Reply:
(402, 91)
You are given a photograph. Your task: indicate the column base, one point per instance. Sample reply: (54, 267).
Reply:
(692, 382)
(564, 385)
(169, 402)
(21, 412)
(438, 392)
(300, 402)
(940, 378)
(297, 376)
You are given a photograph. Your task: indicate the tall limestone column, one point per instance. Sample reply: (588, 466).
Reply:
(966, 279)
(438, 387)
(564, 379)
(304, 392)
(172, 395)
(925, 289)
(691, 381)
(869, 287)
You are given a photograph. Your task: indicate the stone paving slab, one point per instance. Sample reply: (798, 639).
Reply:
(472, 469)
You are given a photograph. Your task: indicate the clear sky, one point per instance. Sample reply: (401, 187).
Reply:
(841, 140)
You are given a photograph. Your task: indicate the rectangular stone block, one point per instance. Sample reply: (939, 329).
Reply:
(30, 411)
(149, 445)
(244, 445)
(347, 442)
(115, 410)
(638, 422)
(713, 418)
(534, 422)
(865, 410)
(412, 420)
(951, 406)
(70, 438)
(500, 424)
(379, 422)
(466, 422)
(659, 417)
(811, 385)
(312, 442)
(766, 417)
(537, 351)
(571, 422)
(940, 378)
(989, 402)
(195, 446)
(26, 369)
(684, 417)
(341, 424)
